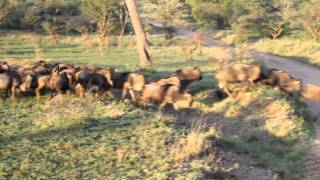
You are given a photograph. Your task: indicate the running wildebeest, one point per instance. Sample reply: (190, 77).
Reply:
(128, 82)
(282, 80)
(165, 94)
(101, 79)
(238, 73)
(311, 91)
(183, 78)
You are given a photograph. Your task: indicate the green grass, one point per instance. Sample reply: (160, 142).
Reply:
(78, 138)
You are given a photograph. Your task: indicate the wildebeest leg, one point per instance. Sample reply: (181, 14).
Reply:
(226, 90)
(124, 93)
(13, 92)
(108, 93)
(161, 106)
(250, 84)
(37, 92)
(7, 93)
(132, 95)
(80, 90)
(223, 86)
(142, 101)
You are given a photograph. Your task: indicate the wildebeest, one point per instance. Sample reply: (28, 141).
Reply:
(282, 80)
(165, 94)
(193, 73)
(70, 72)
(128, 82)
(56, 81)
(28, 82)
(176, 98)
(101, 79)
(13, 80)
(59, 81)
(40, 68)
(311, 91)
(43, 81)
(183, 78)
(238, 73)
(10, 81)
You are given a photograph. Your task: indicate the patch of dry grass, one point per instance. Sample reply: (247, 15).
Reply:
(195, 142)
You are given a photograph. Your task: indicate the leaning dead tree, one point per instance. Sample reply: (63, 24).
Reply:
(142, 45)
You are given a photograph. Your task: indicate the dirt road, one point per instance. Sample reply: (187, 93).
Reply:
(308, 75)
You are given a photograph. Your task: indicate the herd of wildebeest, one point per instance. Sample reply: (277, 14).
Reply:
(58, 78)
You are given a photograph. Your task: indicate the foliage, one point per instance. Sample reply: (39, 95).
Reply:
(168, 12)
(212, 13)
(307, 16)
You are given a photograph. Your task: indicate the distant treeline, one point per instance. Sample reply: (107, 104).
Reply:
(259, 18)
(56, 16)
(247, 18)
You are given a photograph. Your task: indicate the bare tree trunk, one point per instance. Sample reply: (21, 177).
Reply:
(142, 45)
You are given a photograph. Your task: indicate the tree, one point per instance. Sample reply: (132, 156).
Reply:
(254, 19)
(167, 12)
(123, 17)
(11, 11)
(103, 13)
(4, 10)
(278, 19)
(307, 16)
(212, 13)
(142, 45)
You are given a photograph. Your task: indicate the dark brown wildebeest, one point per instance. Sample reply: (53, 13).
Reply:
(128, 82)
(165, 94)
(282, 80)
(59, 81)
(101, 79)
(238, 73)
(70, 70)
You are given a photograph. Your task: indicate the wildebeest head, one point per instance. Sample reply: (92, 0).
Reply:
(193, 73)
(107, 73)
(55, 71)
(294, 85)
(137, 81)
(4, 66)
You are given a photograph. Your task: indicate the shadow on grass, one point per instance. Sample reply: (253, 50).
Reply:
(85, 128)
(245, 133)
